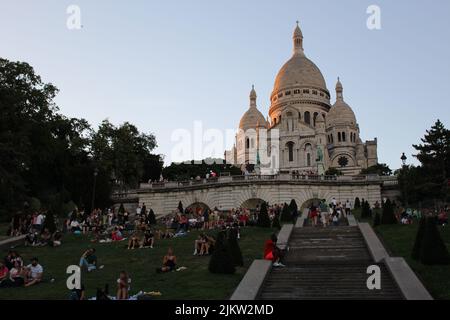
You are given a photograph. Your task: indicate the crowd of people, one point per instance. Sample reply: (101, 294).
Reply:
(14, 273)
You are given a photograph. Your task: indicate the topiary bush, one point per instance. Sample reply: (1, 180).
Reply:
(276, 222)
(293, 208)
(357, 203)
(180, 207)
(433, 249)
(151, 217)
(365, 211)
(377, 218)
(415, 254)
(233, 246)
(388, 216)
(263, 217)
(221, 260)
(286, 214)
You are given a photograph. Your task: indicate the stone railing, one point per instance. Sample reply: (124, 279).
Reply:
(386, 181)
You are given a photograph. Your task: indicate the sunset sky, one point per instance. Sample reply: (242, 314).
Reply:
(162, 65)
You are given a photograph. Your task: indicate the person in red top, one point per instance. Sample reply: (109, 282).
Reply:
(3, 272)
(271, 251)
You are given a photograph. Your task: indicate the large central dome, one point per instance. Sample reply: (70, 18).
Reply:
(299, 71)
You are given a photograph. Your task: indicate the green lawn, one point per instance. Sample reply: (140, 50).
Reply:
(194, 283)
(400, 240)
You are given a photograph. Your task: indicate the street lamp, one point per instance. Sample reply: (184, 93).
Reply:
(404, 158)
(93, 188)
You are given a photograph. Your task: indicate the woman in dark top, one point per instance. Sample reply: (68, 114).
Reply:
(169, 262)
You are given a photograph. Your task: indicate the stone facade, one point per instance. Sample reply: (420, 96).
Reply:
(234, 192)
(313, 135)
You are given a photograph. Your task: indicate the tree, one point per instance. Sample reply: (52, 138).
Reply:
(366, 212)
(419, 239)
(221, 260)
(151, 217)
(434, 156)
(388, 216)
(380, 169)
(263, 217)
(286, 215)
(433, 250)
(357, 203)
(233, 246)
(49, 222)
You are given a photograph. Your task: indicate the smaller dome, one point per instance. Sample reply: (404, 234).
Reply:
(253, 118)
(340, 113)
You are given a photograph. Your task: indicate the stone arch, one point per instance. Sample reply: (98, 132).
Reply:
(198, 197)
(198, 206)
(253, 192)
(251, 204)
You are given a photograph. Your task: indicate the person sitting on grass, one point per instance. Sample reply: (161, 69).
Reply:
(272, 252)
(198, 244)
(123, 286)
(89, 260)
(12, 258)
(34, 273)
(78, 294)
(116, 235)
(56, 239)
(134, 241)
(169, 262)
(31, 239)
(3, 273)
(45, 237)
(148, 240)
(16, 276)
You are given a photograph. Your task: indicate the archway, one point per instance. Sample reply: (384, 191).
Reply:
(307, 204)
(198, 207)
(252, 204)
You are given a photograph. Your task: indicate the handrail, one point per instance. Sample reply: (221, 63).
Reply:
(387, 181)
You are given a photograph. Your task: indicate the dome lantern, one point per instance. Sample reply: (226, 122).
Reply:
(298, 40)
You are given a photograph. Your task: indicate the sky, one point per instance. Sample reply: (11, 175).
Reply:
(162, 65)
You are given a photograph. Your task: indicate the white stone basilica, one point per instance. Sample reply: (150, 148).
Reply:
(313, 135)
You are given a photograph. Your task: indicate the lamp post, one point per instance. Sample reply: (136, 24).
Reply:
(93, 188)
(404, 158)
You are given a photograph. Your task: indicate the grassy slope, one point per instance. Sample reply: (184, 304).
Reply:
(194, 283)
(400, 240)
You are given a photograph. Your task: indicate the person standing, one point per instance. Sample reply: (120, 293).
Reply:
(348, 207)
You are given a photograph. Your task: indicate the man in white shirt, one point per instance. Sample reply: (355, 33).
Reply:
(39, 221)
(34, 273)
(348, 207)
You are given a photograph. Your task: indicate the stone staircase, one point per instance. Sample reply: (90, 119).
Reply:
(327, 263)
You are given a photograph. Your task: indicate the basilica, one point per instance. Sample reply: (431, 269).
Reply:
(312, 135)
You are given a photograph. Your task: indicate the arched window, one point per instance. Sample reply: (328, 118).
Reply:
(339, 137)
(307, 117)
(343, 136)
(315, 118)
(299, 116)
(290, 146)
(308, 151)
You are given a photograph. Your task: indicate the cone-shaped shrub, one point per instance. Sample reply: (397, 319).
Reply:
(263, 217)
(151, 217)
(365, 212)
(180, 207)
(377, 218)
(276, 222)
(433, 250)
(221, 260)
(286, 215)
(233, 246)
(357, 203)
(121, 208)
(415, 254)
(293, 208)
(388, 216)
